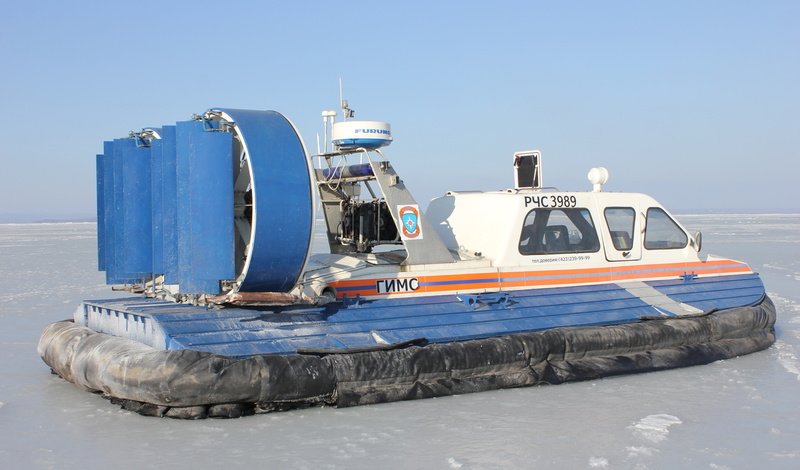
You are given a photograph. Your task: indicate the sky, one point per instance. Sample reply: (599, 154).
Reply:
(696, 103)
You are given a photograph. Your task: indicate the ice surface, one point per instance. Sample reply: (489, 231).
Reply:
(734, 414)
(655, 427)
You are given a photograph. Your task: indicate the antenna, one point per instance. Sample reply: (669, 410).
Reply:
(346, 111)
(327, 120)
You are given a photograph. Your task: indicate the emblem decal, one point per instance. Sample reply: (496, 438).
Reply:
(409, 220)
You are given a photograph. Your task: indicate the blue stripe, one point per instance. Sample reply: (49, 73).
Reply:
(465, 281)
(352, 288)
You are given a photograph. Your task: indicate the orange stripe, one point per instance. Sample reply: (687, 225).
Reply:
(492, 280)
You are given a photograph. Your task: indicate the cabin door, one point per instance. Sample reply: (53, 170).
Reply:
(622, 234)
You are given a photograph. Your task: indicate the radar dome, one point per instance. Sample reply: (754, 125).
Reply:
(361, 134)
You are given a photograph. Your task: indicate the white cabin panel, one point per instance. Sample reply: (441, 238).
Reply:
(477, 224)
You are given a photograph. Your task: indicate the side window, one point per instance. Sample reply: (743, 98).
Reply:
(547, 231)
(621, 222)
(661, 232)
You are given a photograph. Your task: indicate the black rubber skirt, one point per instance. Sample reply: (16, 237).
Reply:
(193, 384)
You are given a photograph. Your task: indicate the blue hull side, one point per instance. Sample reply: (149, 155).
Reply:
(239, 332)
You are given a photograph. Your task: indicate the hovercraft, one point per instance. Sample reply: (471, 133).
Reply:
(209, 224)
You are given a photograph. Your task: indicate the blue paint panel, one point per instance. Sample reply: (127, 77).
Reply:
(183, 201)
(157, 205)
(212, 206)
(113, 206)
(283, 201)
(447, 322)
(169, 212)
(109, 240)
(714, 292)
(205, 208)
(101, 230)
(118, 212)
(243, 332)
(136, 210)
